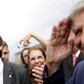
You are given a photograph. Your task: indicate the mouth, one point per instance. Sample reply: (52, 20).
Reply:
(38, 65)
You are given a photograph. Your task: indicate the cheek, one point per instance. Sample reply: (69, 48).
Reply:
(42, 61)
(77, 41)
(31, 64)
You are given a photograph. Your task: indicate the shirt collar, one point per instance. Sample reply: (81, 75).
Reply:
(77, 53)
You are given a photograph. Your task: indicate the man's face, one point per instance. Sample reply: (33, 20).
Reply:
(78, 30)
(72, 36)
(5, 54)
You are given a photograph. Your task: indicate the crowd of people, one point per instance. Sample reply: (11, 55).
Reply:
(61, 62)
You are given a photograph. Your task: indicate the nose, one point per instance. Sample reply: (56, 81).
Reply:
(36, 60)
(71, 36)
(3, 58)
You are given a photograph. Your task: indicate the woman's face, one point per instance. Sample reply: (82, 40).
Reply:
(36, 58)
(25, 56)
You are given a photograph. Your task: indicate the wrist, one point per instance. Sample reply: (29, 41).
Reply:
(52, 68)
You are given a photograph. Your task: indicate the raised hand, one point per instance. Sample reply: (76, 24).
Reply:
(58, 47)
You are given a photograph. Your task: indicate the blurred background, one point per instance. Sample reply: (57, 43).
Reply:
(19, 17)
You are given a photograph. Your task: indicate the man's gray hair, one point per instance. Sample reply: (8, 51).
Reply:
(78, 7)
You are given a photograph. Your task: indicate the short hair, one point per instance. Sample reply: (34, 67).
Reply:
(5, 44)
(1, 41)
(78, 7)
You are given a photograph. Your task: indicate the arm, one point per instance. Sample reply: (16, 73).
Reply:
(58, 49)
(35, 36)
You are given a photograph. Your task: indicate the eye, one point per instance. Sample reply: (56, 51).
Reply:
(39, 57)
(5, 53)
(32, 59)
(78, 32)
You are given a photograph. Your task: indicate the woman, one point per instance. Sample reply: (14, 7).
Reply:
(36, 57)
(24, 56)
(24, 59)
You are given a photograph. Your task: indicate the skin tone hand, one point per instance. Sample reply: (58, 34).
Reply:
(26, 40)
(37, 72)
(58, 47)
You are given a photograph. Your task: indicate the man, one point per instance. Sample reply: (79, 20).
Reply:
(59, 48)
(70, 63)
(5, 52)
(11, 73)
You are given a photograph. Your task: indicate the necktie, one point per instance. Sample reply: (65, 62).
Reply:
(74, 59)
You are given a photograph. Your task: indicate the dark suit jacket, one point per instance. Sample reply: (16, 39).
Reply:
(58, 77)
(66, 71)
(15, 74)
(68, 65)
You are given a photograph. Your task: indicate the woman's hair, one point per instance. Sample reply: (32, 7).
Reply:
(37, 48)
(22, 59)
(77, 8)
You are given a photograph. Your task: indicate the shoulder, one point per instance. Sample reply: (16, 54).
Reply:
(80, 64)
(79, 69)
(16, 68)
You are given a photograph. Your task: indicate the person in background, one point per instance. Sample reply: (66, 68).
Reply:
(24, 59)
(26, 40)
(24, 56)
(37, 57)
(11, 73)
(5, 52)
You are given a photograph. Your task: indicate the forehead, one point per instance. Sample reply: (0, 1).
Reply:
(78, 20)
(35, 53)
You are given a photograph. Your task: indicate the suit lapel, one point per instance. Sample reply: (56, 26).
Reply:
(7, 73)
(80, 58)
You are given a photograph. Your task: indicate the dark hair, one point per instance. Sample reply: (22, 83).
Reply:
(1, 41)
(22, 59)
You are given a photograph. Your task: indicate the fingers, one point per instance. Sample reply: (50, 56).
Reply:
(38, 81)
(37, 76)
(37, 72)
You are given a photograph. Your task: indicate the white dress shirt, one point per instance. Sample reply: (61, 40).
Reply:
(77, 53)
(1, 71)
